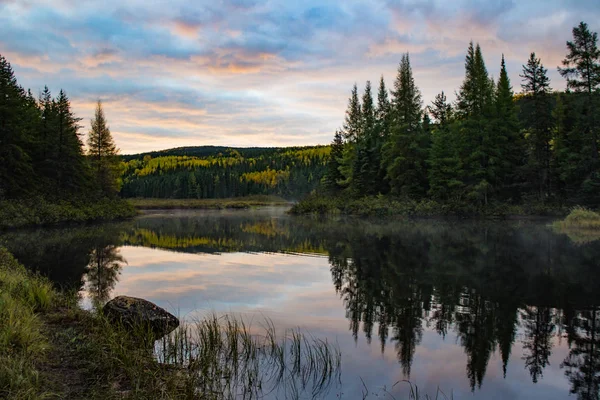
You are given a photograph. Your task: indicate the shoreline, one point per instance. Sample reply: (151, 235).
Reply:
(145, 204)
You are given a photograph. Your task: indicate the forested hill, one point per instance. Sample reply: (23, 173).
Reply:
(220, 172)
(205, 151)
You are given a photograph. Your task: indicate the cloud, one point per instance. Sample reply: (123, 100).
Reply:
(268, 72)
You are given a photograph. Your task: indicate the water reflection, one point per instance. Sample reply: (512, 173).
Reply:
(102, 273)
(518, 290)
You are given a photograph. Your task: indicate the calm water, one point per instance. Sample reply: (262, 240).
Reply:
(505, 310)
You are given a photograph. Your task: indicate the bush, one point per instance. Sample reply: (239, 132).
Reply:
(581, 218)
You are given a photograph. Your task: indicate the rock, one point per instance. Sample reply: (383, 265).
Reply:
(132, 312)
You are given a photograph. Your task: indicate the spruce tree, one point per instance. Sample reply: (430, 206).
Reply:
(353, 121)
(366, 162)
(104, 154)
(333, 175)
(73, 174)
(537, 117)
(506, 137)
(383, 121)
(406, 150)
(16, 169)
(352, 129)
(582, 72)
(445, 166)
(474, 110)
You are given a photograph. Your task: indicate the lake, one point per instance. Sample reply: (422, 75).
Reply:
(482, 310)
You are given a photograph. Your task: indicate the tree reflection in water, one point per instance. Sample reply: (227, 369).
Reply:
(102, 273)
(515, 288)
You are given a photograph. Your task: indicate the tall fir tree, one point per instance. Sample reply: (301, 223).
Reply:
(16, 168)
(351, 130)
(73, 174)
(103, 154)
(445, 166)
(475, 110)
(366, 164)
(407, 148)
(582, 72)
(537, 117)
(333, 176)
(506, 137)
(383, 117)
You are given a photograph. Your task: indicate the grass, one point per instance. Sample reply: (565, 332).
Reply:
(37, 211)
(210, 204)
(581, 225)
(580, 218)
(22, 297)
(51, 348)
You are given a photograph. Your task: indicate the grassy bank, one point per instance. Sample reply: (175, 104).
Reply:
(387, 206)
(581, 225)
(22, 342)
(37, 211)
(50, 348)
(208, 204)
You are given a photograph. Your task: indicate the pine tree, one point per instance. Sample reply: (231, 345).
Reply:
(366, 162)
(406, 150)
(73, 169)
(441, 109)
(582, 71)
(103, 154)
(445, 166)
(506, 137)
(352, 129)
(475, 110)
(353, 121)
(333, 175)
(16, 169)
(537, 111)
(383, 121)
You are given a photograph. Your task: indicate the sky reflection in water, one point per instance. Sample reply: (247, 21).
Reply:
(452, 305)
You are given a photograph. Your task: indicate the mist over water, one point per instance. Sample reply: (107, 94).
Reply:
(485, 310)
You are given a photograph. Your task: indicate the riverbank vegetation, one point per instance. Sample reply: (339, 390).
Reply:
(209, 204)
(490, 148)
(46, 176)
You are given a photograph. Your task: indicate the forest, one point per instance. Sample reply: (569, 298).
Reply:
(218, 172)
(46, 175)
(490, 146)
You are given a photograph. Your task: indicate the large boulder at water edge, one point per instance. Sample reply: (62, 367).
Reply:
(133, 313)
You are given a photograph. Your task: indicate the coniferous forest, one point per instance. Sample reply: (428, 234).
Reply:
(213, 172)
(490, 146)
(46, 176)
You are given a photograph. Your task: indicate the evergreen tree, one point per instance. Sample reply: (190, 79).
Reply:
(506, 137)
(582, 71)
(351, 130)
(16, 169)
(73, 175)
(474, 110)
(353, 121)
(445, 166)
(383, 120)
(537, 111)
(366, 163)
(104, 154)
(441, 109)
(406, 150)
(333, 175)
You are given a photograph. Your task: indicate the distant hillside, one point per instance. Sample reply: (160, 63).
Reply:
(205, 151)
(221, 172)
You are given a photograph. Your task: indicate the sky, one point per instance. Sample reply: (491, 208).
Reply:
(263, 73)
